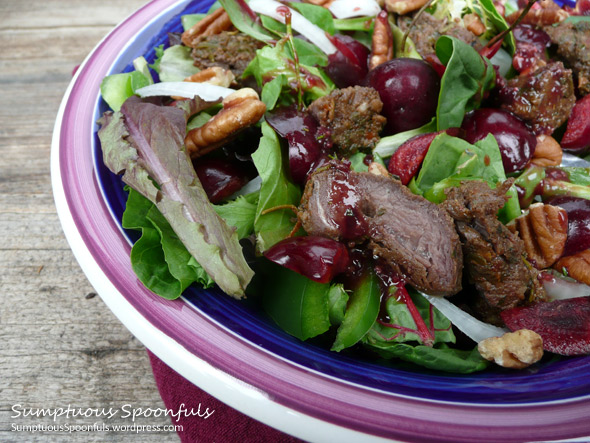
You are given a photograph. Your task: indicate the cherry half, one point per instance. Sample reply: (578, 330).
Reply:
(317, 258)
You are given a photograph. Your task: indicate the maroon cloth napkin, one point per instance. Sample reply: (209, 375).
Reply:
(223, 425)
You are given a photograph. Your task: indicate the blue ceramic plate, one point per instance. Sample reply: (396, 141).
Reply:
(235, 352)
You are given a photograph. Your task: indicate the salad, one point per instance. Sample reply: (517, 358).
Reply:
(400, 178)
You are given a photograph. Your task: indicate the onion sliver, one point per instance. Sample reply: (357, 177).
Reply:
(186, 90)
(560, 289)
(473, 328)
(313, 33)
(354, 8)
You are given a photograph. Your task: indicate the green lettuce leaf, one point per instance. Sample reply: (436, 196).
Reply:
(159, 259)
(176, 64)
(117, 88)
(145, 142)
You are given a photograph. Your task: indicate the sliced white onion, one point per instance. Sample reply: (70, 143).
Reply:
(561, 289)
(313, 33)
(473, 328)
(354, 8)
(186, 90)
(503, 60)
(568, 160)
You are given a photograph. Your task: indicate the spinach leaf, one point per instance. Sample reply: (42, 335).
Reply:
(361, 312)
(276, 190)
(467, 77)
(388, 145)
(495, 23)
(271, 91)
(358, 164)
(450, 160)
(362, 24)
(273, 61)
(297, 304)
(402, 328)
(440, 357)
(318, 15)
(337, 301)
(246, 20)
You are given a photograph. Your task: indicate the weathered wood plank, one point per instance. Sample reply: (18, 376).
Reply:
(60, 345)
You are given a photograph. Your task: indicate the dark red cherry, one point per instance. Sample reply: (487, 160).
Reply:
(220, 178)
(317, 258)
(308, 143)
(409, 91)
(577, 135)
(578, 230)
(517, 144)
(348, 66)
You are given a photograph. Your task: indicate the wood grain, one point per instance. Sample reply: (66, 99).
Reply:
(59, 344)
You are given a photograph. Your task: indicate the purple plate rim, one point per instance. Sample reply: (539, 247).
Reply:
(215, 359)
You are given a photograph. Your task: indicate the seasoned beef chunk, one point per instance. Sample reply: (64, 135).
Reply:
(352, 116)
(229, 49)
(494, 256)
(427, 29)
(544, 99)
(414, 236)
(573, 43)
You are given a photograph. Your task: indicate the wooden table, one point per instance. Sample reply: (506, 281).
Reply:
(59, 344)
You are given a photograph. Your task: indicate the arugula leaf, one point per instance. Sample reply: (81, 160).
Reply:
(361, 312)
(297, 304)
(467, 77)
(145, 142)
(318, 15)
(246, 20)
(176, 64)
(276, 190)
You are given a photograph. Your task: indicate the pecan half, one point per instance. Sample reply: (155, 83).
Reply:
(577, 266)
(516, 350)
(474, 24)
(543, 230)
(402, 7)
(378, 169)
(240, 110)
(214, 75)
(548, 152)
(212, 24)
(382, 46)
(539, 17)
